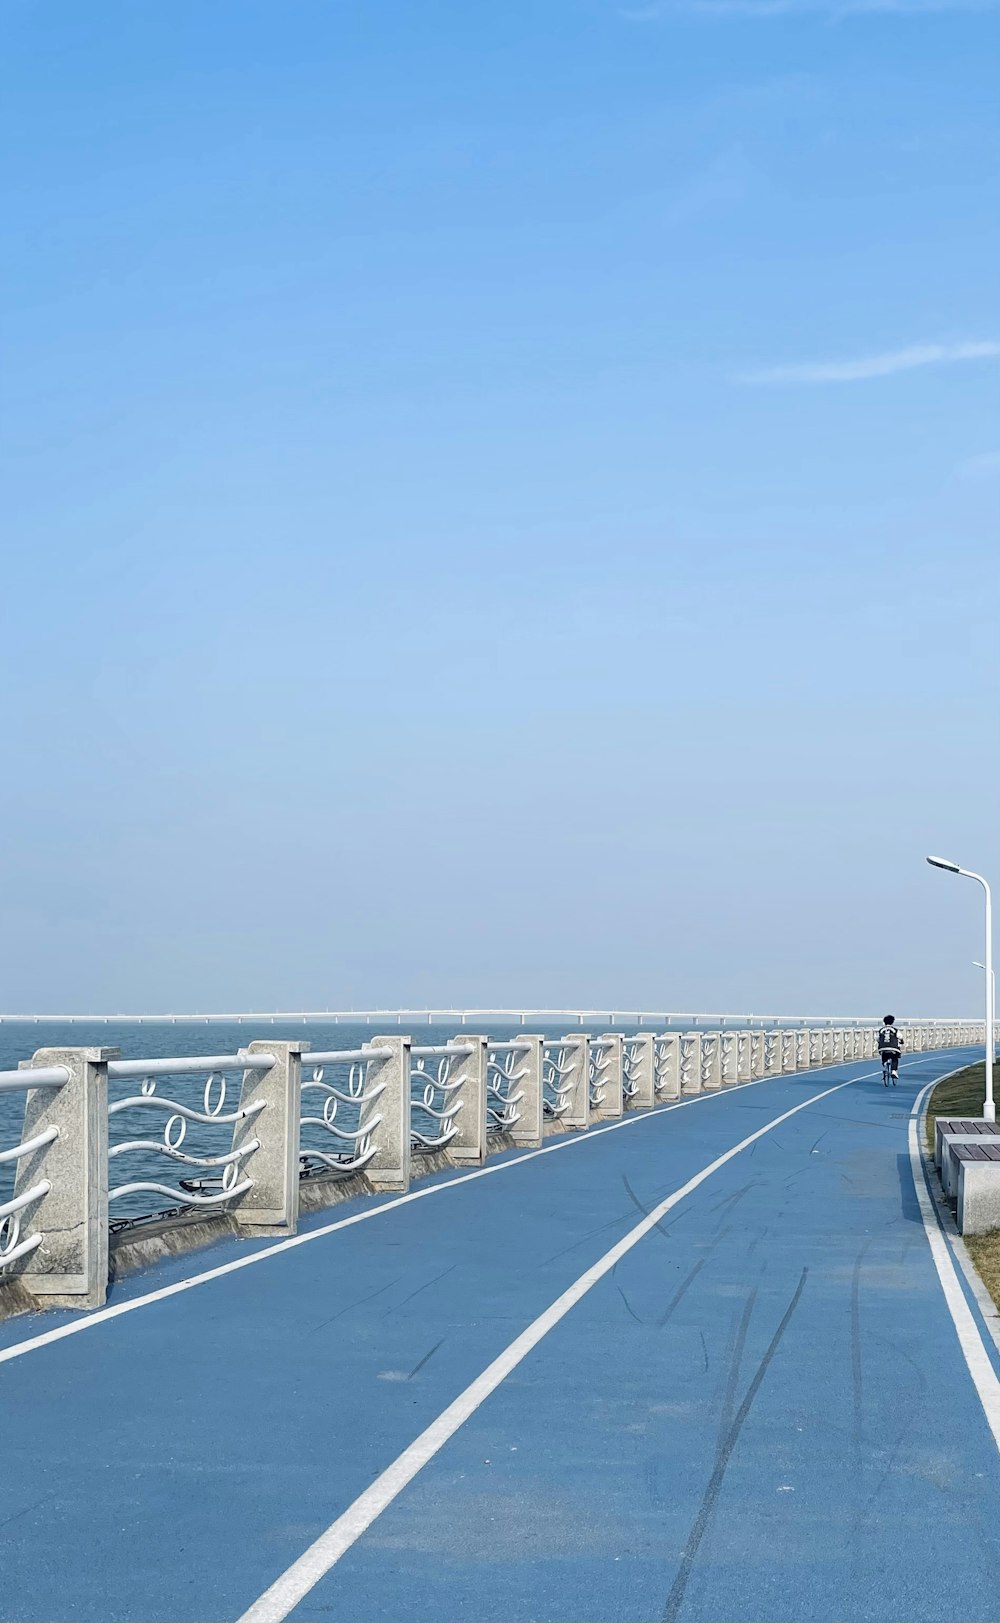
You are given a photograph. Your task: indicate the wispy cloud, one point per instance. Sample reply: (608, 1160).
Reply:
(653, 10)
(985, 466)
(883, 365)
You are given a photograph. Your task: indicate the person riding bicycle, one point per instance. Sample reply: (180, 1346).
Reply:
(889, 1047)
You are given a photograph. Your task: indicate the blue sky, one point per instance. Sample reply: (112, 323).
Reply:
(481, 483)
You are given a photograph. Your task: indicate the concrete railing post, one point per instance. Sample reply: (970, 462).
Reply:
(789, 1052)
(711, 1062)
(606, 1076)
(690, 1058)
(272, 1205)
(468, 1145)
(527, 1130)
(772, 1053)
(70, 1267)
(637, 1061)
(802, 1050)
(389, 1167)
(838, 1046)
(667, 1066)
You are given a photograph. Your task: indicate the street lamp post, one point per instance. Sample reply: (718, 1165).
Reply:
(993, 981)
(989, 1107)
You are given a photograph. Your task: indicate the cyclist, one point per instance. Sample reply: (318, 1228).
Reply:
(889, 1046)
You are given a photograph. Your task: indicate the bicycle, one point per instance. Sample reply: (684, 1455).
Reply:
(889, 1063)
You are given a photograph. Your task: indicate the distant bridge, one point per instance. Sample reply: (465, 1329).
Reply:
(443, 1016)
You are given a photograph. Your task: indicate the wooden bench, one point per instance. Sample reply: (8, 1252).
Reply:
(949, 1144)
(978, 1185)
(946, 1126)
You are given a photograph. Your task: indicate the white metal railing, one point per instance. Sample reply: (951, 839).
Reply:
(631, 1061)
(226, 1176)
(435, 1094)
(343, 1085)
(505, 1073)
(690, 1061)
(337, 1112)
(599, 1071)
(711, 1059)
(558, 1068)
(14, 1209)
(666, 1065)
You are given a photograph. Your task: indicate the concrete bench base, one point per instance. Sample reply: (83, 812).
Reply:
(978, 1187)
(949, 1162)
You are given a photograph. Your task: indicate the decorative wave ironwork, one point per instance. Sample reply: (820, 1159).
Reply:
(664, 1048)
(631, 1051)
(226, 1178)
(342, 1137)
(690, 1064)
(598, 1069)
(505, 1071)
(16, 1208)
(559, 1060)
(434, 1099)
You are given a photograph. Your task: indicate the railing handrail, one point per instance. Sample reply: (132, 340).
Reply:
(41, 1076)
(345, 1056)
(184, 1065)
(442, 1050)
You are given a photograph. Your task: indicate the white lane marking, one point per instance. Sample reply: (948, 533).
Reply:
(971, 1342)
(295, 1583)
(32, 1344)
(989, 1313)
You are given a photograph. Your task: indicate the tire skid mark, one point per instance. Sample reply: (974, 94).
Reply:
(675, 1599)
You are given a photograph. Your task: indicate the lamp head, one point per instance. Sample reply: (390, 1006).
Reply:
(942, 862)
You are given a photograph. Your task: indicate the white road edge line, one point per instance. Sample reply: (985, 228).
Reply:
(19, 1349)
(971, 1342)
(295, 1583)
(989, 1313)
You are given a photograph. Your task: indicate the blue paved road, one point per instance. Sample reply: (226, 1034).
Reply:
(763, 1413)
